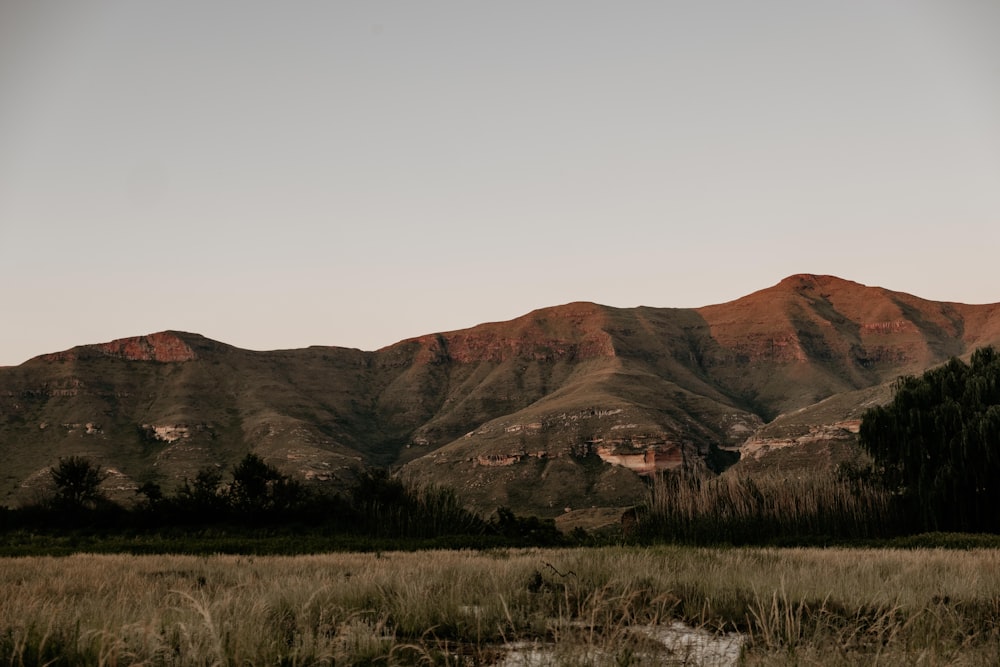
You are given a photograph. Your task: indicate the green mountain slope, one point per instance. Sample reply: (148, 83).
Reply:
(563, 407)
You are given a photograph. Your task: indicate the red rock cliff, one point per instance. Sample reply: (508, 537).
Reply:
(163, 347)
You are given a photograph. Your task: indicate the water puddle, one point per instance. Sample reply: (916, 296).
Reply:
(674, 644)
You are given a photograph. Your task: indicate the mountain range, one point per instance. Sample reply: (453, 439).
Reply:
(564, 408)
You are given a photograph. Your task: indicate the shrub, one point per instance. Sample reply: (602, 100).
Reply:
(77, 481)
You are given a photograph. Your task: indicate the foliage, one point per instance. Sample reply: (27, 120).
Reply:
(528, 530)
(256, 502)
(938, 443)
(152, 493)
(77, 481)
(390, 506)
(202, 496)
(259, 487)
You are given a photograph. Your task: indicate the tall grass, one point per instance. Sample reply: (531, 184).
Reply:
(690, 508)
(581, 606)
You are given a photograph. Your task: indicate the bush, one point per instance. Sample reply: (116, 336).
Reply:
(77, 482)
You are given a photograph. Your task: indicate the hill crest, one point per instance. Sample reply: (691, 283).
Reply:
(164, 347)
(561, 407)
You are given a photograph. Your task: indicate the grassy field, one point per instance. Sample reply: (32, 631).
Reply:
(573, 606)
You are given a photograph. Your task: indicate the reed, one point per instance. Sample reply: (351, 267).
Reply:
(690, 508)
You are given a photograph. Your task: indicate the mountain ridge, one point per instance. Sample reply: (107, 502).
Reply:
(564, 406)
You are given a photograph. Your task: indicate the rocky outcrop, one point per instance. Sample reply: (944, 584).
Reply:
(500, 460)
(90, 428)
(166, 432)
(756, 447)
(164, 347)
(644, 463)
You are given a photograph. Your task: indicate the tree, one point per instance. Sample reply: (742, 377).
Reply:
(387, 505)
(78, 482)
(258, 486)
(152, 492)
(938, 443)
(202, 496)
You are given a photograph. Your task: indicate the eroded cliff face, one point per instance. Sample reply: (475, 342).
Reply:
(601, 441)
(820, 436)
(164, 347)
(758, 446)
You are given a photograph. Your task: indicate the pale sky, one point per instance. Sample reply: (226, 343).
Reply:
(283, 174)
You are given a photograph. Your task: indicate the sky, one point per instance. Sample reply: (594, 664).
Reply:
(283, 174)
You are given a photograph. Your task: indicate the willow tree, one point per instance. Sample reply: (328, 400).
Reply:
(938, 443)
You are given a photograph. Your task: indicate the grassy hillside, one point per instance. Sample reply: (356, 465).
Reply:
(562, 407)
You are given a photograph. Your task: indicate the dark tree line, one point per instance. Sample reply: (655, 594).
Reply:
(936, 449)
(937, 444)
(255, 494)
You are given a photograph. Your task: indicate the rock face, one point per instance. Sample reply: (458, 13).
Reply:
(645, 463)
(758, 446)
(164, 347)
(564, 407)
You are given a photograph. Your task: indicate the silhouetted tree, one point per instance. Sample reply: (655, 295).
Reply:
(202, 496)
(938, 443)
(77, 481)
(387, 505)
(260, 487)
(530, 530)
(152, 492)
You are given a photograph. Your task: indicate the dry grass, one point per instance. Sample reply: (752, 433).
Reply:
(588, 606)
